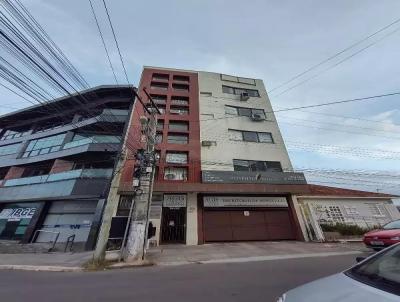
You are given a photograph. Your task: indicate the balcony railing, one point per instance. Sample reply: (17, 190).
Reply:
(72, 174)
(97, 139)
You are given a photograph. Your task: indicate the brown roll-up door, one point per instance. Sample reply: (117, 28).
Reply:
(247, 224)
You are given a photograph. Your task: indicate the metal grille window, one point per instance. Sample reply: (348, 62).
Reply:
(177, 158)
(160, 76)
(124, 205)
(174, 173)
(180, 101)
(242, 111)
(181, 78)
(250, 136)
(157, 85)
(159, 99)
(178, 139)
(239, 91)
(159, 138)
(44, 145)
(9, 149)
(256, 165)
(178, 126)
(180, 87)
(160, 125)
(179, 111)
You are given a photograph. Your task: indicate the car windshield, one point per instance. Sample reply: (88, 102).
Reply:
(392, 225)
(381, 271)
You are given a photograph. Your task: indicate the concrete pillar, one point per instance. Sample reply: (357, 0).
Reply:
(191, 220)
(109, 211)
(300, 217)
(61, 165)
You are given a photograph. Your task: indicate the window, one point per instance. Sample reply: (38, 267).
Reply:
(177, 158)
(9, 149)
(3, 173)
(239, 91)
(174, 173)
(180, 87)
(180, 101)
(46, 145)
(250, 136)
(256, 165)
(124, 205)
(160, 76)
(160, 125)
(205, 93)
(181, 78)
(159, 99)
(10, 134)
(157, 85)
(179, 111)
(161, 108)
(37, 170)
(377, 210)
(225, 77)
(159, 137)
(178, 126)
(241, 111)
(351, 210)
(178, 139)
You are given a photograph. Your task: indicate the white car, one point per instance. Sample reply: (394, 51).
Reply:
(375, 279)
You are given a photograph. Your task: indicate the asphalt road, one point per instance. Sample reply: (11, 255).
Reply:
(250, 281)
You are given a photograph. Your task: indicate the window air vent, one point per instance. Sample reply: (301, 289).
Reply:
(244, 96)
(257, 117)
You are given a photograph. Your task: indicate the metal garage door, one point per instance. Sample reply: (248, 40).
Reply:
(68, 218)
(247, 224)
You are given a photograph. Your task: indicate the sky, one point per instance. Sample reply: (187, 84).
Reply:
(270, 40)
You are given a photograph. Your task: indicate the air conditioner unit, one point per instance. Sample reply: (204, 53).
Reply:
(257, 117)
(244, 96)
(135, 182)
(208, 143)
(170, 176)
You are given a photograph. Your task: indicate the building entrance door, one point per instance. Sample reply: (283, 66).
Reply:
(173, 225)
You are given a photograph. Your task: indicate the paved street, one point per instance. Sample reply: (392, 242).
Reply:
(250, 281)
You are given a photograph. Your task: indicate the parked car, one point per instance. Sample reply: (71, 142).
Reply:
(388, 235)
(376, 278)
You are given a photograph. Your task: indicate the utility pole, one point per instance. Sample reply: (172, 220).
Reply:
(137, 237)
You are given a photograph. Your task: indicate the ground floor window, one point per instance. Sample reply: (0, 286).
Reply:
(15, 219)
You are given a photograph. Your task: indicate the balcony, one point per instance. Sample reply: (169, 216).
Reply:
(107, 116)
(74, 182)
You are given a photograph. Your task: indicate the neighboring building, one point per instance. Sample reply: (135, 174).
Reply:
(224, 173)
(56, 161)
(328, 205)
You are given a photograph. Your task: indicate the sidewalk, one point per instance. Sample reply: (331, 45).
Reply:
(248, 251)
(70, 262)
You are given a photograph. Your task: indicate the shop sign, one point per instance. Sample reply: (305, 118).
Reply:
(16, 214)
(245, 201)
(243, 177)
(174, 200)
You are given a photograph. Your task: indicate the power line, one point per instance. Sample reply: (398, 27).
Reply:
(334, 56)
(311, 106)
(338, 63)
(102, 40)
(116, 41)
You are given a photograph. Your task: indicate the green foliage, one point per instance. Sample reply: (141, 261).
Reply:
(344, 229)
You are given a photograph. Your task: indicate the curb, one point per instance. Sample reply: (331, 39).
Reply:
(259, 258)
(41, 268)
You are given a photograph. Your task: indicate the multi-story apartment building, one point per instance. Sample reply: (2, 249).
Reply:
(56, 162)
(223, 172)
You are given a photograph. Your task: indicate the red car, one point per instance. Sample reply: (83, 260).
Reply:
(388, 235)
